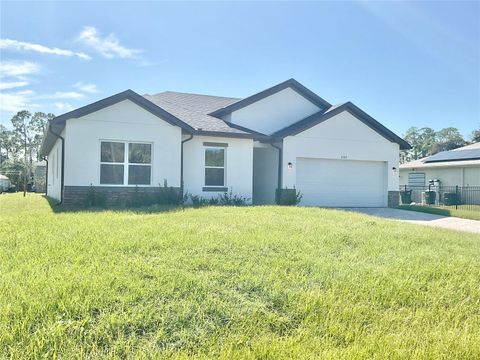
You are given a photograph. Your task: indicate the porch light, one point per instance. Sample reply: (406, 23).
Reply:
(290, 166)
(394, 169)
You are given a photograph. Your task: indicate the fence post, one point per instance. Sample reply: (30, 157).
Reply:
(456, 197)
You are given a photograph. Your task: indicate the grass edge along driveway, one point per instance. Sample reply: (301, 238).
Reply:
(445, 211)
(225, 282)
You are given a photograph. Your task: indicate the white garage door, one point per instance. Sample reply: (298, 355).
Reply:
(342, 183)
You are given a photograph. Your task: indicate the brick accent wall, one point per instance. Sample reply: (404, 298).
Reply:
(393, 198)
(114, 195)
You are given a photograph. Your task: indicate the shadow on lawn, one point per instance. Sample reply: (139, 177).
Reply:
(150, 209)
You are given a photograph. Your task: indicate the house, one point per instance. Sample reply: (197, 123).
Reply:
(5, 183)
(283, 137)
(458, 167)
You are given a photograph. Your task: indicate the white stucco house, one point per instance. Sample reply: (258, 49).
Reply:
(283, 137)
(458, 167)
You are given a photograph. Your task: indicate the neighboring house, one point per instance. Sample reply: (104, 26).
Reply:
(283, 137)
(455, 167)
(39, 177)
(5, 183)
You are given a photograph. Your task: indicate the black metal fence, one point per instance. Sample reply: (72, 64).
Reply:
(457, 197)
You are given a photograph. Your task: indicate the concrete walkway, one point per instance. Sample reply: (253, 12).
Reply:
(416, 217)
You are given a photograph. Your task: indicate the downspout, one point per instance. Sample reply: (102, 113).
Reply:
(62, 179)
(44, 158)
(280, 159)
(181, 162)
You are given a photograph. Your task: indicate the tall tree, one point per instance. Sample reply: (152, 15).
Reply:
(28, 130)
(447, 139)
(421, 141)
(475, 137)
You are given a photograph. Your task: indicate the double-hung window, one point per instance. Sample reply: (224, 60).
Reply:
(214, 166)
(125, 163)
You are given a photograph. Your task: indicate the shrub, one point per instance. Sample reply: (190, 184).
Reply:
(288, 196)
(225, 199)
(94, 198)
(232, 200)
(169, 195)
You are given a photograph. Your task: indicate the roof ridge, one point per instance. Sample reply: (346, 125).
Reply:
(196, 94)
(186, 108)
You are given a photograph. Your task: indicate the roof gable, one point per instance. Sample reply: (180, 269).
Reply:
(320, 117)
(57, 124)
(114, 99)
(291, 83)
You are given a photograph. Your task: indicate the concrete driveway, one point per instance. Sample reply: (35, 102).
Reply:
(415, 217)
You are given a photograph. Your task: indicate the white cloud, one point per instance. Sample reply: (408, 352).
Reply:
(16, 101)
(17, 68)
(63, 106)
(20, 45)
(108, 46)
(12, 84)
(88, 88)
(63, 95)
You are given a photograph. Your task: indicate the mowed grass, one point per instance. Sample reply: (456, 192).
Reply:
(463, 211)
(233, 283)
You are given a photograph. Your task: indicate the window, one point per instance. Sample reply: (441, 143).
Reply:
(214, 166)
(125, 163)
(416, 179)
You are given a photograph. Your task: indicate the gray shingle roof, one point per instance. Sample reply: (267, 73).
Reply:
(194, 108)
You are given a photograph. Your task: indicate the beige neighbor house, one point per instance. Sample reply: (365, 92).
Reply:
(459, 167)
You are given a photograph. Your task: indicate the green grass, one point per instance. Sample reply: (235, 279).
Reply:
(473, 213)
(233, 283)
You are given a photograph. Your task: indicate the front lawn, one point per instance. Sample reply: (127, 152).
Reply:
(225, 282)
(473, 211)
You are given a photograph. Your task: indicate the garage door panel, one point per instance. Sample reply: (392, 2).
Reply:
(341, 183)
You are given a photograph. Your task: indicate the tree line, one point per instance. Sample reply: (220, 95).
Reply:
(20, 146)
(426, 141)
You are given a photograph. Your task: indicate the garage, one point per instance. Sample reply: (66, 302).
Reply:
(342, 183)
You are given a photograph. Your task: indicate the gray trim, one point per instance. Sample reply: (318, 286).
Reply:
(216, 144)
(181, 162)
(320, 117)
(114, 195)
(291, 83)
(111, 100)
(62, 177)
(232, 135)
(215, 189)
(393, 199)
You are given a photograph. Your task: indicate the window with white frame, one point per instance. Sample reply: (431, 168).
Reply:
(215, 166)
(125, 163)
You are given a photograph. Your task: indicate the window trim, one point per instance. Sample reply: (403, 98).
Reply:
(224, 167)
(125, 162)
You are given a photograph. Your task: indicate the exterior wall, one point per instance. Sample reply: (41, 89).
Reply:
(471, 176)
(238, 170)
(340, 137)
(449, 176)
(393, 198)
(265, 175)
(274, 112)
(112, 195)
(124, 121)
(54, 185)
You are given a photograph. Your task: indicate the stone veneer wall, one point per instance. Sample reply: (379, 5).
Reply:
(115, 195)
(393, 198)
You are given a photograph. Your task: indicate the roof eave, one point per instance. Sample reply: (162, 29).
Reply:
(320, 117)
(290, 83)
